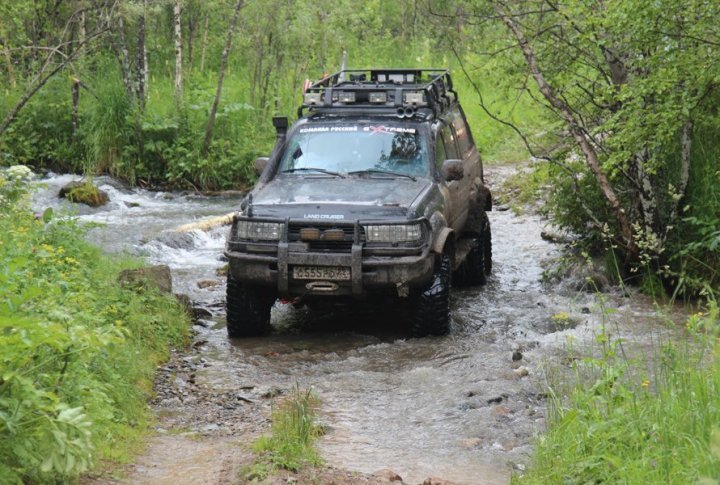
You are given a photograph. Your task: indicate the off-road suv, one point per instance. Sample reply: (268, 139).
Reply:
(376, 191)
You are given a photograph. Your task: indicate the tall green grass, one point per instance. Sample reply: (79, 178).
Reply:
(79, 351)
(616, 425)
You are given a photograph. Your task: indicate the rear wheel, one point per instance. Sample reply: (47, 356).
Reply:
(431, 315)
(248, 309)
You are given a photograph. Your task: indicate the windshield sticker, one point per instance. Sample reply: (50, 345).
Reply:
(387, 129)
(324, 216)
(326, 129)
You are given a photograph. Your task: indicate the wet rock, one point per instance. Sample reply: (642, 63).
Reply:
(222, 271)
(522, 371)
(199, 313)
(387, 475)
(495, 400)
(131, 205)
(84, 193)
(501, 410)
(471, 443)
(176, 240)
(153, 276)
(585, 310)
(207, 283)
(185, 303)
(517, 355)
(272, 393)
(436, 481)
(555, 237)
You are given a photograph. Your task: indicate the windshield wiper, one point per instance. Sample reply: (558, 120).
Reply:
(385, 172)
(321, 170)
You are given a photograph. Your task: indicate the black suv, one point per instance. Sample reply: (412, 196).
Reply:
(376, 191)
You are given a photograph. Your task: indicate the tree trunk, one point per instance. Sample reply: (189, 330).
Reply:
(204, 42)
(578, 133)
(75, 88)
(221, 75)
(8, 64)
(178, 52)
(141, 67)
(124, 58)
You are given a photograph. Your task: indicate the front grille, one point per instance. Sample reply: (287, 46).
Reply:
(324, 246)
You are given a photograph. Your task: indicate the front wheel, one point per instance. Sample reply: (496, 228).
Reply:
(247, 309)
(431, 315)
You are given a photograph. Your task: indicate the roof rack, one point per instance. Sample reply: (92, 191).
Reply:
(399, 91)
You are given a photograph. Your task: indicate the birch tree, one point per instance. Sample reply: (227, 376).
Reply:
(178, 51)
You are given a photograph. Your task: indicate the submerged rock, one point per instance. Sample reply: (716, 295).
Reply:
(84, 193)
(158, 277)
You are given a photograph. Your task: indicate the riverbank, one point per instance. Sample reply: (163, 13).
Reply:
(79, 350)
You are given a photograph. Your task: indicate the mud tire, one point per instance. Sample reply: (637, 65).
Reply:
(431, 315)
(247, 309)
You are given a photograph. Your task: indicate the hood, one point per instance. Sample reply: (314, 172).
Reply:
(368, 196)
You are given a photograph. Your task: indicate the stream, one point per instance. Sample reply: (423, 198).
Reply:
(464, 407)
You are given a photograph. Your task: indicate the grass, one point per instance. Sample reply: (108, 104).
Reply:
(614, 425)
(79, 351)
(294, 430)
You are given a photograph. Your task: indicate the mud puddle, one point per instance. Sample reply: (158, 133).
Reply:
(463, 407)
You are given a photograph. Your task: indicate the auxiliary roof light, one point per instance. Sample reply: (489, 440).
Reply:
(415, 98)
(378, 98)
(312, 99)
(346, 96)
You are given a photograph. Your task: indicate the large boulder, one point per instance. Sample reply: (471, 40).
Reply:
(158, 277)
(84, 193)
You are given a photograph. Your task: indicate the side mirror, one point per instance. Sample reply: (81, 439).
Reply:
(452, 170)
(260, 164)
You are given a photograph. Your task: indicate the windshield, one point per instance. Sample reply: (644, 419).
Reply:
(356, 148)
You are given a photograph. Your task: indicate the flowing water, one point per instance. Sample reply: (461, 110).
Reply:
(458, 407)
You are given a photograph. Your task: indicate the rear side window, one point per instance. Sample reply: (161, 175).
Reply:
(449, 140)
(462, 133)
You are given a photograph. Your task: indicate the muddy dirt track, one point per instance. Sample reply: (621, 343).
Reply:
(463, 407)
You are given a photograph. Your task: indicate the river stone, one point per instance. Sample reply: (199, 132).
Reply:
(208, 283)
(155, 276)
(176, 240)
(436, 481)
(387, 475)
(84, 193)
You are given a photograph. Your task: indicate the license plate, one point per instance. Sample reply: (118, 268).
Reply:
(336, 273)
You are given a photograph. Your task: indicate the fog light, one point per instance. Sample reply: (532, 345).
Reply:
(334, 235)
(309, 234)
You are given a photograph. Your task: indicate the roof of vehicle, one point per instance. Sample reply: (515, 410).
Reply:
(404, 93)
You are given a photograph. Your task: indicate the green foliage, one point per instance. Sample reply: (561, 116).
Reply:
(619, 426)
(79, 351)
(291, 444)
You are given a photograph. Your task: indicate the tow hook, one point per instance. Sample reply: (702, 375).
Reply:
(403, 289)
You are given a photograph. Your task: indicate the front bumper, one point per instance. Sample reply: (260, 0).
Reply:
(372, 270)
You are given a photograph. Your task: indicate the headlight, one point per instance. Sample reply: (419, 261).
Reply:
(259, 231)
(393, 233)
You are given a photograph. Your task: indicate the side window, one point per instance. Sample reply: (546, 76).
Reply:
(449, 139)
(440, 155)
(463, 134)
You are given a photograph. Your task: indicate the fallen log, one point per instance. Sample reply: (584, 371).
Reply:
(207, 224)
